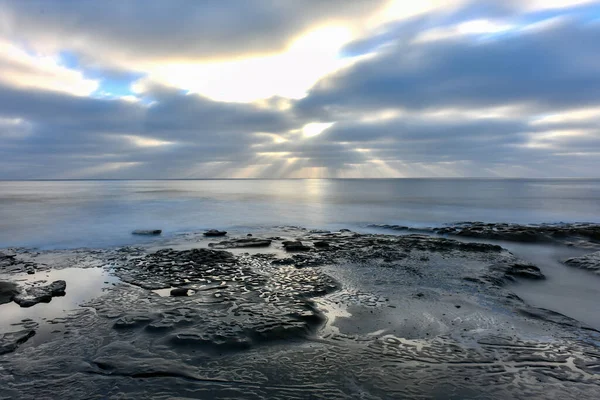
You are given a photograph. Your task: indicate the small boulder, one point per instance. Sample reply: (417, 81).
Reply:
(321, 244)
(214, 233)
(147, 232)
(179, 292)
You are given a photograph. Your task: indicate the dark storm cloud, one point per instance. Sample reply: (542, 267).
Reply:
(176, 29)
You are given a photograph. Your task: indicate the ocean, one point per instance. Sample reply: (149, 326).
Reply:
(71, 214)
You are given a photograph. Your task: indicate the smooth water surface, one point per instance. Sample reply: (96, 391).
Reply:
(65, 214)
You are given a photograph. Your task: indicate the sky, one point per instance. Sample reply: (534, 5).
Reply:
(153, 89)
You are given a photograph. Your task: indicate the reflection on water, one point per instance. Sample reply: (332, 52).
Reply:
(83, 284)
(62, 214)
(567, 290)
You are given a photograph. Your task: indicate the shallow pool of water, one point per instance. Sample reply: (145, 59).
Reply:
(83, 284)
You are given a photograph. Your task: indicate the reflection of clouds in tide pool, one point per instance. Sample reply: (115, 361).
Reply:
(83, 284)
(567, 290)
(333, 311)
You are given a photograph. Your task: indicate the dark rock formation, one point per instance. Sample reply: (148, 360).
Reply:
(508, 271)
(40, 294)
(241, 243)
(295, 245)
(581, 235)
(7, 291)
(147, 232)
(10, 263)
(179, 292)
(214, 233)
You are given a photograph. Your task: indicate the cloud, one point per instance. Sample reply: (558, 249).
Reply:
(72, 136)
(24, 69)
(549, 69)
(177, 30)
(299, 89)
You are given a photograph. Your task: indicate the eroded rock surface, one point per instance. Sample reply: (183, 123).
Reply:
(580, 235)
(40, 294)
(590, 262)
(10, 341)
(367, 316)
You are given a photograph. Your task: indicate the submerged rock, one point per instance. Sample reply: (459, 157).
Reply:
(214, 233)
(591, 262)
(40, 294)
(147, 232)
(7, 291)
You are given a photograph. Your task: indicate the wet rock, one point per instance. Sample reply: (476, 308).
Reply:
(132, 321)
(10, 263)
(591, 262)
(147, 232)
(233, 340)
(9, 342)
(242, 243)
(40, 294)
(295, 245)
(580, 235)
(321, 244)
(510, 270)
(214, 233)
(179, 292)
(7, 291)
(7, 259)
(167, 268)
(553, 317)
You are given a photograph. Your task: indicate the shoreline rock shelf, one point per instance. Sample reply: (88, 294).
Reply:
(338, 306)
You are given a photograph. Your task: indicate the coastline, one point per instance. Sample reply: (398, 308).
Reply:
(373, 303)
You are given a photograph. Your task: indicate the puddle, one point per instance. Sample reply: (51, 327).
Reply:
(83, 284)
(570, 291)
(333, 311)
(167, 292)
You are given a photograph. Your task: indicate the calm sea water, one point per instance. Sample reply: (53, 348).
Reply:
(66, 214)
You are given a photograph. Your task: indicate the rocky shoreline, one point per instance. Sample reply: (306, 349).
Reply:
(295, 313)
(585, 235)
